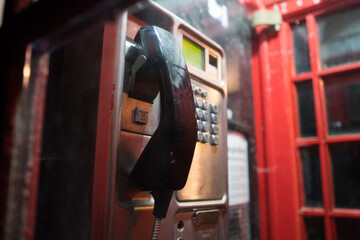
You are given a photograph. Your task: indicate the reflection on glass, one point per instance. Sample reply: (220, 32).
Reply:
(301, 48)
(314, 228)
(311, 176)
(343, 105)
(345, 159)
(347, 228)
(69, 138)
(306, 109)
(339, 35)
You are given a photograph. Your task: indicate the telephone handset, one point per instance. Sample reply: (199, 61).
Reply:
(164, 164)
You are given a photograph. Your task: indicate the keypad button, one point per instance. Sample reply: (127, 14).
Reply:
(214, 108)
(200, 125)
(199, 113)
(198, 91)
(205, 138)
(214, 118)
(205, 105)
(214, 129)
(205, 116)
(198, 102)
(214, 140)
(200, 136)
(205, 126)
(203, 93)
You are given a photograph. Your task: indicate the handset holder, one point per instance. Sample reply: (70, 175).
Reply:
(164, 164)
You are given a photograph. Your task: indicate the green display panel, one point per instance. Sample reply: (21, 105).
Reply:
(193, 53)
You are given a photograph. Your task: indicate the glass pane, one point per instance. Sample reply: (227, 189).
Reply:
(347, 228)
(226, 23)
(306, 109)
(345, 159)
(343, 104)
(339, 35)
(301, 48)
(311, 176)
(314, 228)
(69, 138)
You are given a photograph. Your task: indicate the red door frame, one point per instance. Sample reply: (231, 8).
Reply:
(277, 127)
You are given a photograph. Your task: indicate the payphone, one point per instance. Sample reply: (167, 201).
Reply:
(171, 118)
(157, 145)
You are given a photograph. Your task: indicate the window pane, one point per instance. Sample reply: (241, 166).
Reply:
(345, 159)
(306, 109)
(347, 228)
(339, 35)
(301, 48)
(69, 139)
(314, 228)
(311, 176)
(343, 104)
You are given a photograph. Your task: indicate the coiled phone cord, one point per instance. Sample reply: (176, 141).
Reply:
(156, 229)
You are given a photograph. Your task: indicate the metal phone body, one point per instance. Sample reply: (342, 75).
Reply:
(200, 209)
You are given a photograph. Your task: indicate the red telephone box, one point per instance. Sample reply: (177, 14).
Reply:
(306, 89)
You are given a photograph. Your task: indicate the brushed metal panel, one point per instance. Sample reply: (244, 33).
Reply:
(207, 173)
(127, 115)
(131, 146)
(187, 226)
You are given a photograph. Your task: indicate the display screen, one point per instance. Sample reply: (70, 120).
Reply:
(193, 53)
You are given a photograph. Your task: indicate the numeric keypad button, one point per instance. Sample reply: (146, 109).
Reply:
(205, 116)
(205, 138)
(198, 90)
(214, 108)
(214, 129)
(199, 113)
(200, 136)
(198, 103)
(205, 105)
(214, 140)
(214, 118)
(200, 125)
(205, 126)
(204, 93)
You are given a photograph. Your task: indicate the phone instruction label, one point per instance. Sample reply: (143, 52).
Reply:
(238, 168)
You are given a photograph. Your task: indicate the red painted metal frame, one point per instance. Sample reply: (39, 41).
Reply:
(260, 142)
(265, 102)
(274, 162)
(102, 169)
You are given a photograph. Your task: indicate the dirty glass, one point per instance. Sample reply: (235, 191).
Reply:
(301, 47)
(345, 161)
(339, 37)
(306, 109)
(68, 142)
(311, 176)
(347, 228)
(226, 22)
(342, 96)
(314, 228)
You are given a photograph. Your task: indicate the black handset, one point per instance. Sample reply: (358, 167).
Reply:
(164, 164)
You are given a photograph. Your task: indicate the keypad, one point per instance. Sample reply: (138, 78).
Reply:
(207, 117)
